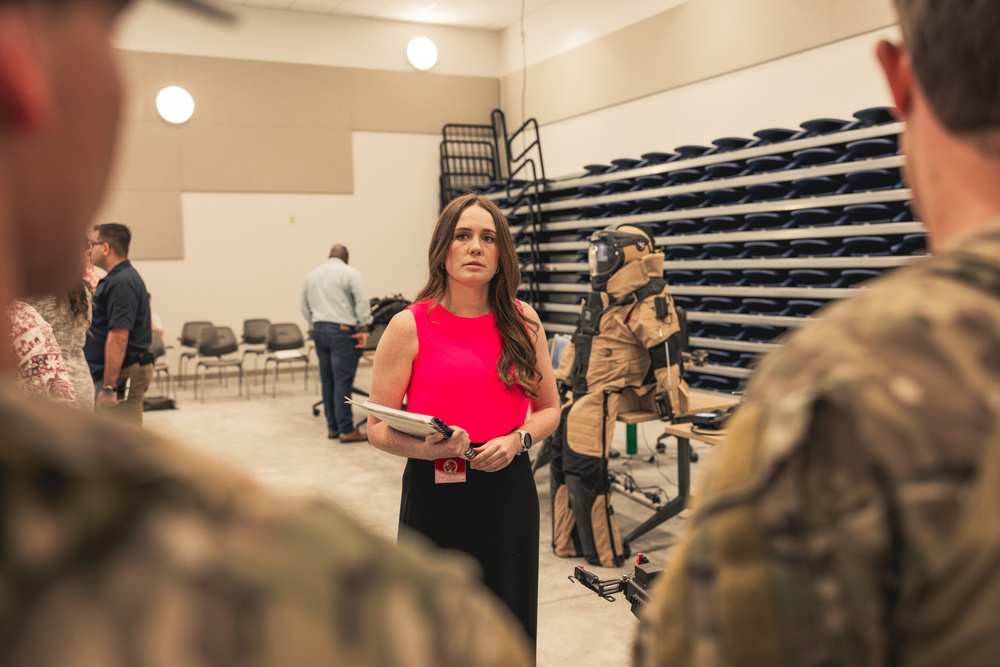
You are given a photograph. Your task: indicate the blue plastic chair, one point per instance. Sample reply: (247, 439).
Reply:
(651, 181)
(854, 277)
(762, 306)
(771, 135)
(874, 179)
(724, 196)
(815, 186)
(768, 220)
(764, 249)
(687, 200)
(860, 214)
(813, 217)
(912, 244)
(683, 278)
(684, 226)
(731, 143)
(811, 278)
(803, 307)
(682, 176)
(722, 251)
(720, 304)
(595, 169)
(657, 157)
(681, 252)
(769, 191)
(724, 169)
(723, 357)
(812, 248)
(809, 157)
(723, 223)
(759, 333)
(624, 163)
(691, 150)
(722, 277)
(767, 163)
(876, 115)
(650, 204)
(864, 149)
(764, 278)
(723, 330)
(686, 302)
(865, 246)
(824, 125)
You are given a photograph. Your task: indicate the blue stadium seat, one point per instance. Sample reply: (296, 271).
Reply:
(657, 157)
(683, 278)
(724, 169)
(686, 302)
(684, 176)
(764, 278)
(591, 190)
(624, 163)
(761, 306)
(772, 135)
(721, 304)
(595, 169)
(748, 359)
(684, 226)
(723, 223)
(687, 200)
(873, 179)
(721, 277)
(769, 191)
(680, 252)
(811, 278)
(723, 330)
(731, 143)
(803, 307)
(865, 246)
(808, 157)
(907, 214)
(722, 251)
(759, 333)
(650, 181)
(824, 125)
(768, 220)
(812, 248)
(911, 244)
(875, 115)
(860, 214)
(813, 217)
(815, 186)
(766, 163)
(691, 150)
(612, 187)
(724, 196)
(854, 277)
(588, 212)
(869, 148)
(723, 357)
(716, 383)
(651, 204)
(764, 249)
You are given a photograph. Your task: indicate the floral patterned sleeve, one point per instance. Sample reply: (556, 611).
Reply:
(40, 365)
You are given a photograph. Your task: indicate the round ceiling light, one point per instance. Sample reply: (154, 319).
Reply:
(422, 52)
(175, 104)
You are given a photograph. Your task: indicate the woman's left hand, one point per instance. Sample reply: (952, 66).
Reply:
(497, 453)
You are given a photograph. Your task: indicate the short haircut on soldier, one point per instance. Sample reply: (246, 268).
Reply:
(955, 56)
(116, 235)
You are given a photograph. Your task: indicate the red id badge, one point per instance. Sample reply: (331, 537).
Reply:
(448, 471)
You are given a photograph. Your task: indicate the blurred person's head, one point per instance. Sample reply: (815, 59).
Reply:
(944, 84)
(340, 252)
(109, 244)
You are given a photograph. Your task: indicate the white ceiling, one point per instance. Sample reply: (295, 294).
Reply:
(486, 14)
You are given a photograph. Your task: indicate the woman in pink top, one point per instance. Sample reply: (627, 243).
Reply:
(469, 352)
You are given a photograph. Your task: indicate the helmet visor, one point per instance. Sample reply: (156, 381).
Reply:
(604, 257)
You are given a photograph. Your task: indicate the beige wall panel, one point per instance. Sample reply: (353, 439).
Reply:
(154, 218)
(149, 157)
(252, 93)
(145, 75)
(227, 158)
(693, 42)
(420, 102)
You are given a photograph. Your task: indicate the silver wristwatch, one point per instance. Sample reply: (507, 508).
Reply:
(525, 440)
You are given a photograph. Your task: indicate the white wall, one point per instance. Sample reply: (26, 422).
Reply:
(833, 80)
(306, 38)
(245, 258)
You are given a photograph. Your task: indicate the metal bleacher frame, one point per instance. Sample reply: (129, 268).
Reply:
(560, 202)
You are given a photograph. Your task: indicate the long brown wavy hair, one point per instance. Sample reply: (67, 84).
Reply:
(517, 363)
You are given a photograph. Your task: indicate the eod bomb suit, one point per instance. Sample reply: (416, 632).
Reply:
(625, 353)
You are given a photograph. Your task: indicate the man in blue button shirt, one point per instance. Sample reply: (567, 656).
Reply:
(117, 348)
(336, 308)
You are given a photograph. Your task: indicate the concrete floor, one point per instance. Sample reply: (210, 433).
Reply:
(279, 441)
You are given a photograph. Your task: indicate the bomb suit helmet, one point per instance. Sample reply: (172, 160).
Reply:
(615, 246)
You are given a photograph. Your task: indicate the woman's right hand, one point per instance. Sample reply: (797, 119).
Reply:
(453, 446)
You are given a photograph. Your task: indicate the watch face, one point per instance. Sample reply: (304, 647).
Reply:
(525, 439)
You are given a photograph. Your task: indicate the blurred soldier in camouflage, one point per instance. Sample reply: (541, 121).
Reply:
(119, 549)
(853, 517)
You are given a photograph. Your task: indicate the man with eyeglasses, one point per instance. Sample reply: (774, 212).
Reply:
(120, 548)
(117, 347)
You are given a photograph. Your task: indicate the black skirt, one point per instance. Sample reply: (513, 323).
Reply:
(492, 516)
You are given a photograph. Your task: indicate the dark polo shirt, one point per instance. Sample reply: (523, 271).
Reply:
(121, 300)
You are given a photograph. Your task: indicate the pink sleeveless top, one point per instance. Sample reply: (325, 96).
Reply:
(455, 374)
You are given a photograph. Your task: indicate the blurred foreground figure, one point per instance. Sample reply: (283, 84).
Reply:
(852, 517)
(120, 549)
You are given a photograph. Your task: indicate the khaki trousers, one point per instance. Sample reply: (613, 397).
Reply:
(140, 377)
